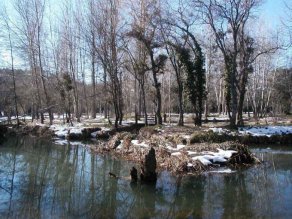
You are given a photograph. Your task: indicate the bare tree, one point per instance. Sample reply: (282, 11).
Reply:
(172, 39)
(107, 48)
(147, 35)
(31, 13)
(7, 23)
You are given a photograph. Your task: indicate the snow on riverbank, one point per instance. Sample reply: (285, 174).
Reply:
(5, 118)
(142, 144)
(257, 131)
(62, 131)
(266, 130)
(211, 157)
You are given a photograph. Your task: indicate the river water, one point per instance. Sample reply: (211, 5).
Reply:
(39, 179)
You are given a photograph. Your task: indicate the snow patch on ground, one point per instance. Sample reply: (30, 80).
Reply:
(190, 165)
(214, 157)
(62, 131)
(266, 130)
(257, 131)
(221, 119)
(203, 160)
(104, 129)
(76, 130)
(142, 144)
(176, 154)
(178, 147)
(190, 153)
(218, 130)
(225, 154)
(186, 136)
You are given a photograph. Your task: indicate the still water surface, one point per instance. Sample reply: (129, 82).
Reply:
(39, 179)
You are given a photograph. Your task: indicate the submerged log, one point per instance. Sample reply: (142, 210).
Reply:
(148, 170)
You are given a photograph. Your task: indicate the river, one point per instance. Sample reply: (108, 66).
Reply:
(40, 179)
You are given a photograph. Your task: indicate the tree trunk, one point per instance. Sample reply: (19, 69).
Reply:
(142, 83)
(13, 75)
(93, 106)
(180, 104)
(105, 92)
(158, 118)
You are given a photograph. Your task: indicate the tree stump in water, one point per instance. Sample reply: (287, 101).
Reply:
(134, 174)
(148, 170)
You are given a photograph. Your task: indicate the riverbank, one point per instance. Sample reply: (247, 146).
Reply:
(181, 150)
(175, 152)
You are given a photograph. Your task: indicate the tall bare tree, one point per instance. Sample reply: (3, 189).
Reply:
(7, 24)
(228, 20)
(31, 13)
(148, 36)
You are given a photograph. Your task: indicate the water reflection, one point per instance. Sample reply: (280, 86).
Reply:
(41, 180)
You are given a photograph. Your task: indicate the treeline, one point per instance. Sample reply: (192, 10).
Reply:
(124, 58)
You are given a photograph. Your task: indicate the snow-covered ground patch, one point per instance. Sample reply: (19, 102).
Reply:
(257, 131)
(105, 129)
(179, 147)
(222, 131)
(190, 153)
(219, 130)
(3, 119)
(131, 121)
(210, 157)
(224, 153)
(76, 130)
(62, 131)
(186, 136)
(142, 144)
(221, 119)
(203, 160)
(266, 130)
(176, 154)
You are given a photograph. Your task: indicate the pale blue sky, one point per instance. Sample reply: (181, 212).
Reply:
(273, 11)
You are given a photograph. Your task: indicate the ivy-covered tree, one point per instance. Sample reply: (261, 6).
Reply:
(283, 91)
(195, 79)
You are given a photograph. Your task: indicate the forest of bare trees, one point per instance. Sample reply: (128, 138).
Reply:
(143, 59)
